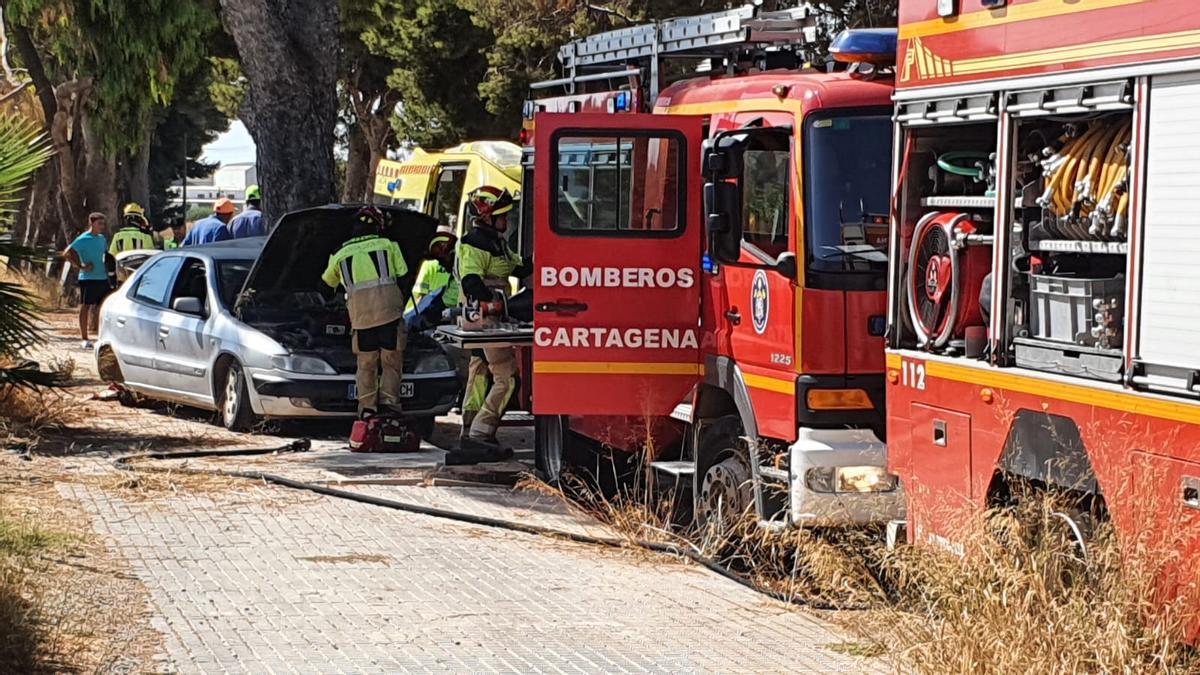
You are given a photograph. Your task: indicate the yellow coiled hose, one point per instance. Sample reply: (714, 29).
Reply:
(1086, 190)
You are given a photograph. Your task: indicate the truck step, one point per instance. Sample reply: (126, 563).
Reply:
(678, 468)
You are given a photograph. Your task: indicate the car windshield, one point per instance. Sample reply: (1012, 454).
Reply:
(231, 276)
(847, 171)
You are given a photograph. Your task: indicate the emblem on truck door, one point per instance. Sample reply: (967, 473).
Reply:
(760, 301)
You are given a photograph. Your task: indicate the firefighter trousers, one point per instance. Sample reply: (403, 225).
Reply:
(380, 349)
(501, 363)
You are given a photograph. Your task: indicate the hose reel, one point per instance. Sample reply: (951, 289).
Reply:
(945, 272)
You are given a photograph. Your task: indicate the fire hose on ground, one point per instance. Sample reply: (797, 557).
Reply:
(129, 463)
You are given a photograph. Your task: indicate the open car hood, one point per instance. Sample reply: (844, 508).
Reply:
(299, 247)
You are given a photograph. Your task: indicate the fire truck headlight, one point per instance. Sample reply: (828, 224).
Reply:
(820, 478)
(865, 479)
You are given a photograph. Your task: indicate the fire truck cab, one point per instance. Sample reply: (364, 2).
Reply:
(1044, 305)
(711, 270)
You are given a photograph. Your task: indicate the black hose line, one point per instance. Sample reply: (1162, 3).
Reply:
(127, 463)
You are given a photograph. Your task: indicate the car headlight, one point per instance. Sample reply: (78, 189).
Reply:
(433, 363)
(311, 365)
(849, 479)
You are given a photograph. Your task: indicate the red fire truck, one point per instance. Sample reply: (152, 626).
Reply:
(1044, 306)
(711, 273)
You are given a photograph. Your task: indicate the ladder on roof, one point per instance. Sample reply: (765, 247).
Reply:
(719, 35)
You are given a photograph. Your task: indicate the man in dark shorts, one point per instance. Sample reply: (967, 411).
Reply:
(86, 254)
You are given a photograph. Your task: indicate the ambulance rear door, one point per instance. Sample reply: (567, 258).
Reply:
(618, 244)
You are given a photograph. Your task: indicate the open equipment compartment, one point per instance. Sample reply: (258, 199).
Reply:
(1071, 177)
(946, 214)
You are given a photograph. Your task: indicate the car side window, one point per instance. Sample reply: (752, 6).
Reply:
(191, 283)
(155, 283)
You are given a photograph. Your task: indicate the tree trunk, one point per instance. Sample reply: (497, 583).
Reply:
(372, 167)
(100, 176)
(358, 170)
(66, 131)
(288, 50)
(139, 172)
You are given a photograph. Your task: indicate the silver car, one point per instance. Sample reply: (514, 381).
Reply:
(248, 329)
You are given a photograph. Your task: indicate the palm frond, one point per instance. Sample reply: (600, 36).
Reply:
(24, 148)
(27, 375)
(19, 314)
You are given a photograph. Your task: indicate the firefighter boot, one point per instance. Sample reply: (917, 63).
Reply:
(468, 417)
(472, 451)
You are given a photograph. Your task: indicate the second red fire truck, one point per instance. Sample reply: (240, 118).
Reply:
(1044, 314)
(711, 276)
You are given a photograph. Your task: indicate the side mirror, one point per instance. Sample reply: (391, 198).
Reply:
(785, 264)
(723, 206)
(191, 306)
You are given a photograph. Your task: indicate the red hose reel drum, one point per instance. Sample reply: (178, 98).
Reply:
(945, 275)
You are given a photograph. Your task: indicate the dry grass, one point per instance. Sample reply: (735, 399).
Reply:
(52, 296)
(1022, 599)
(62, 607)
(28, 413)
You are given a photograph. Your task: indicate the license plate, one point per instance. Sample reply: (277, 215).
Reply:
(407, 390)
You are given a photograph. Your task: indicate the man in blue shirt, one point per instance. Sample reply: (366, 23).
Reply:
(213, 228)
(249, 222)
(86, 254)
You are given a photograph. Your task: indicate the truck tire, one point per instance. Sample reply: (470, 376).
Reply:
(725, 495)
(551, 434)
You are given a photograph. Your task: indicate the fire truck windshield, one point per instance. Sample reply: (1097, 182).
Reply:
(847, 170)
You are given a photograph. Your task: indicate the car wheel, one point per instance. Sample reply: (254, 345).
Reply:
(235, 411)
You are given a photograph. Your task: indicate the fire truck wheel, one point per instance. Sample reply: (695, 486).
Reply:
(550, 440)
(725, 494)
(424, 426)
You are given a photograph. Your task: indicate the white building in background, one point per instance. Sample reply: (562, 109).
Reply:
(228, 180)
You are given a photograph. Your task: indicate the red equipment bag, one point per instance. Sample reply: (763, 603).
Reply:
(383, 434)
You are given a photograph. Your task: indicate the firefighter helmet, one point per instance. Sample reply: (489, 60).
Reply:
(443, 242)
(489, 201)
(372, 216)
(133, 209)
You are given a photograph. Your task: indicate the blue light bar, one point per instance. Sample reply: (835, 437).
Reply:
(622, 102)
(865, 45)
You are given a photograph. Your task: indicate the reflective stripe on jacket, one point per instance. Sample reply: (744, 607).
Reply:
(369, 267)
(485, 253)
(130, 239)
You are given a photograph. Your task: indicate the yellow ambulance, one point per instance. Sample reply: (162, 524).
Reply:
(438, 183)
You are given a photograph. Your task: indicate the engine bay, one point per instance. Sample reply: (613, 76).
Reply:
(316, 323)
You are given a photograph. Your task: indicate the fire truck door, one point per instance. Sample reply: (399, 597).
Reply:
(762, 302)
(617, 244)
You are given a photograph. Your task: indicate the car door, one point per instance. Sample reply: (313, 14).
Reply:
(619, 247)
(182, 356)
(135, 327)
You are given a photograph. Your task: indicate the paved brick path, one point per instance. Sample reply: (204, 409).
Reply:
(261, 579)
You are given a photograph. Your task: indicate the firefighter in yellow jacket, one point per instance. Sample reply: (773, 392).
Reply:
(135, 231)
(370, 267)
(483, 266)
